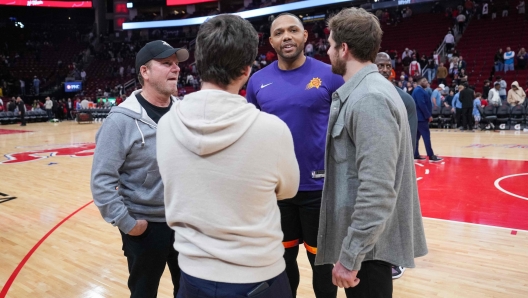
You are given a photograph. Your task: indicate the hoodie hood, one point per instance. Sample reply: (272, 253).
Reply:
(516, 84)
(208, 121)
(132, 108)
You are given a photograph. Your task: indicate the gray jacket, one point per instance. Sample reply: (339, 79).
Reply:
(370, 208)
(125, 157)
(412, 117)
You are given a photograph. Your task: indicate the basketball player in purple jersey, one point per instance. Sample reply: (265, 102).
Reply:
(298, 90)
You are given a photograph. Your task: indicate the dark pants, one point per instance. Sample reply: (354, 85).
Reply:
(147, 255)
(423, 131)
(458, 117)
(441, 81)
(23, 119)
(375, 281)
(466, 118)
(50, 114)
(300, 224)
(192, 287)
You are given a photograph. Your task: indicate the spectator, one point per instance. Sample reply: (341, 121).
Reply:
(485, 89)
(505, 9)
(449, 40)
(516, 95)
(448, 100)
(414, 68)
(121, 71)
(430, 69)
(503, 86)
(36, 85)
(436, 97)
(22, 87)
(21, 110)
(521, 7)
(309, 49)
(49, 108)
(509, 56)
(499, 61)
(409, 88)
(522, 58)
(457, 107)
(83, 75)
(476, 114)
(461, 64)
(494, 97)
(453, 66)
(441, 74)
(461, 20)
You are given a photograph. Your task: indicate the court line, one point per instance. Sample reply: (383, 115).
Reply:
(497, 185)
(17, 270)
(475, 224)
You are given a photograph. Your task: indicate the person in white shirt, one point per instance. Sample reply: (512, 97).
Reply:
(309, 49)
(83, 75)
(224, 164)
(461, 20)
(494, 96)
(22, 87)
(509, 59)
(449, 40)
(49, 107)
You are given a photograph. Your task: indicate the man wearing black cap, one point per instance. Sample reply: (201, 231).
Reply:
(126, 183)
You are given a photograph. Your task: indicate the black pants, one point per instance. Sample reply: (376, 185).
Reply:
(458, 117)
(300, 224)
(466, 118)
(375, 281)
(23, 119)
(147, 255)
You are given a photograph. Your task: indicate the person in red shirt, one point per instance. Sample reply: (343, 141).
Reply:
(483, 102)
(119, 100)
(270, 56)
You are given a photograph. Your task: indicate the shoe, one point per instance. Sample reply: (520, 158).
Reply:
(397, 271)
(435, 158)
(419, 158)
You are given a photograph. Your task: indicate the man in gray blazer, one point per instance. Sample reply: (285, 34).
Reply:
(370, 213)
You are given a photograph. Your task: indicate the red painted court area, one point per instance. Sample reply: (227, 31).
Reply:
(463, 189)
(12, 131)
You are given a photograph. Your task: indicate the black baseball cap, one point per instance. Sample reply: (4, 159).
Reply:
(159, 49)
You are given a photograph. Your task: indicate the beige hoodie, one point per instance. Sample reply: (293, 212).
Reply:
(514, 96)
(224, 165)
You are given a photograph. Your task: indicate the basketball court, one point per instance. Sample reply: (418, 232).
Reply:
(54, 243)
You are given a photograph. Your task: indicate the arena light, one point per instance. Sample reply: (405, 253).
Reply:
(46, 3)
(186, 2)
(244, 14)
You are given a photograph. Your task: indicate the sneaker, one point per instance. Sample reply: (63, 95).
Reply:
(419, 158)
(435, 158)
(397, 271)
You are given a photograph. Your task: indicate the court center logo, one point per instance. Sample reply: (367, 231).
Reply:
(72, 150)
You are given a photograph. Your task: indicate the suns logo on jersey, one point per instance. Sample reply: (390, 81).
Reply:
(314, 83)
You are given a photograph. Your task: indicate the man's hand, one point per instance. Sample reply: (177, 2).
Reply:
(343, 277)
(139, 228)
(431, 119)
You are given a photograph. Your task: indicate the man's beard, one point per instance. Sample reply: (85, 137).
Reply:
(338, 66)
(292, 56)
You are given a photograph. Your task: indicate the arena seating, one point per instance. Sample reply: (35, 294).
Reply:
(31, 116)
(479, 48)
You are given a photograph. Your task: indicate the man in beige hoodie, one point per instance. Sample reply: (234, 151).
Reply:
(516, 95)
(224, 165)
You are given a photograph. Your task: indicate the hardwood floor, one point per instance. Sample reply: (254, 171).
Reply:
(82, 257)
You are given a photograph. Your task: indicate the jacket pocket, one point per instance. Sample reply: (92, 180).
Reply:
(338, 148)
(152, 178)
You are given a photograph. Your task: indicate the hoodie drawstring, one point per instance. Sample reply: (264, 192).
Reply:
(142, 137)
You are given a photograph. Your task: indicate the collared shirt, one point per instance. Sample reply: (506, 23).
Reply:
(376, 217)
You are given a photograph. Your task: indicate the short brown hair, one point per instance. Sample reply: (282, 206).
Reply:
(140, 77)
(360, 30)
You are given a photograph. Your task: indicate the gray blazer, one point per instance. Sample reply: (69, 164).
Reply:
(370, 208)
